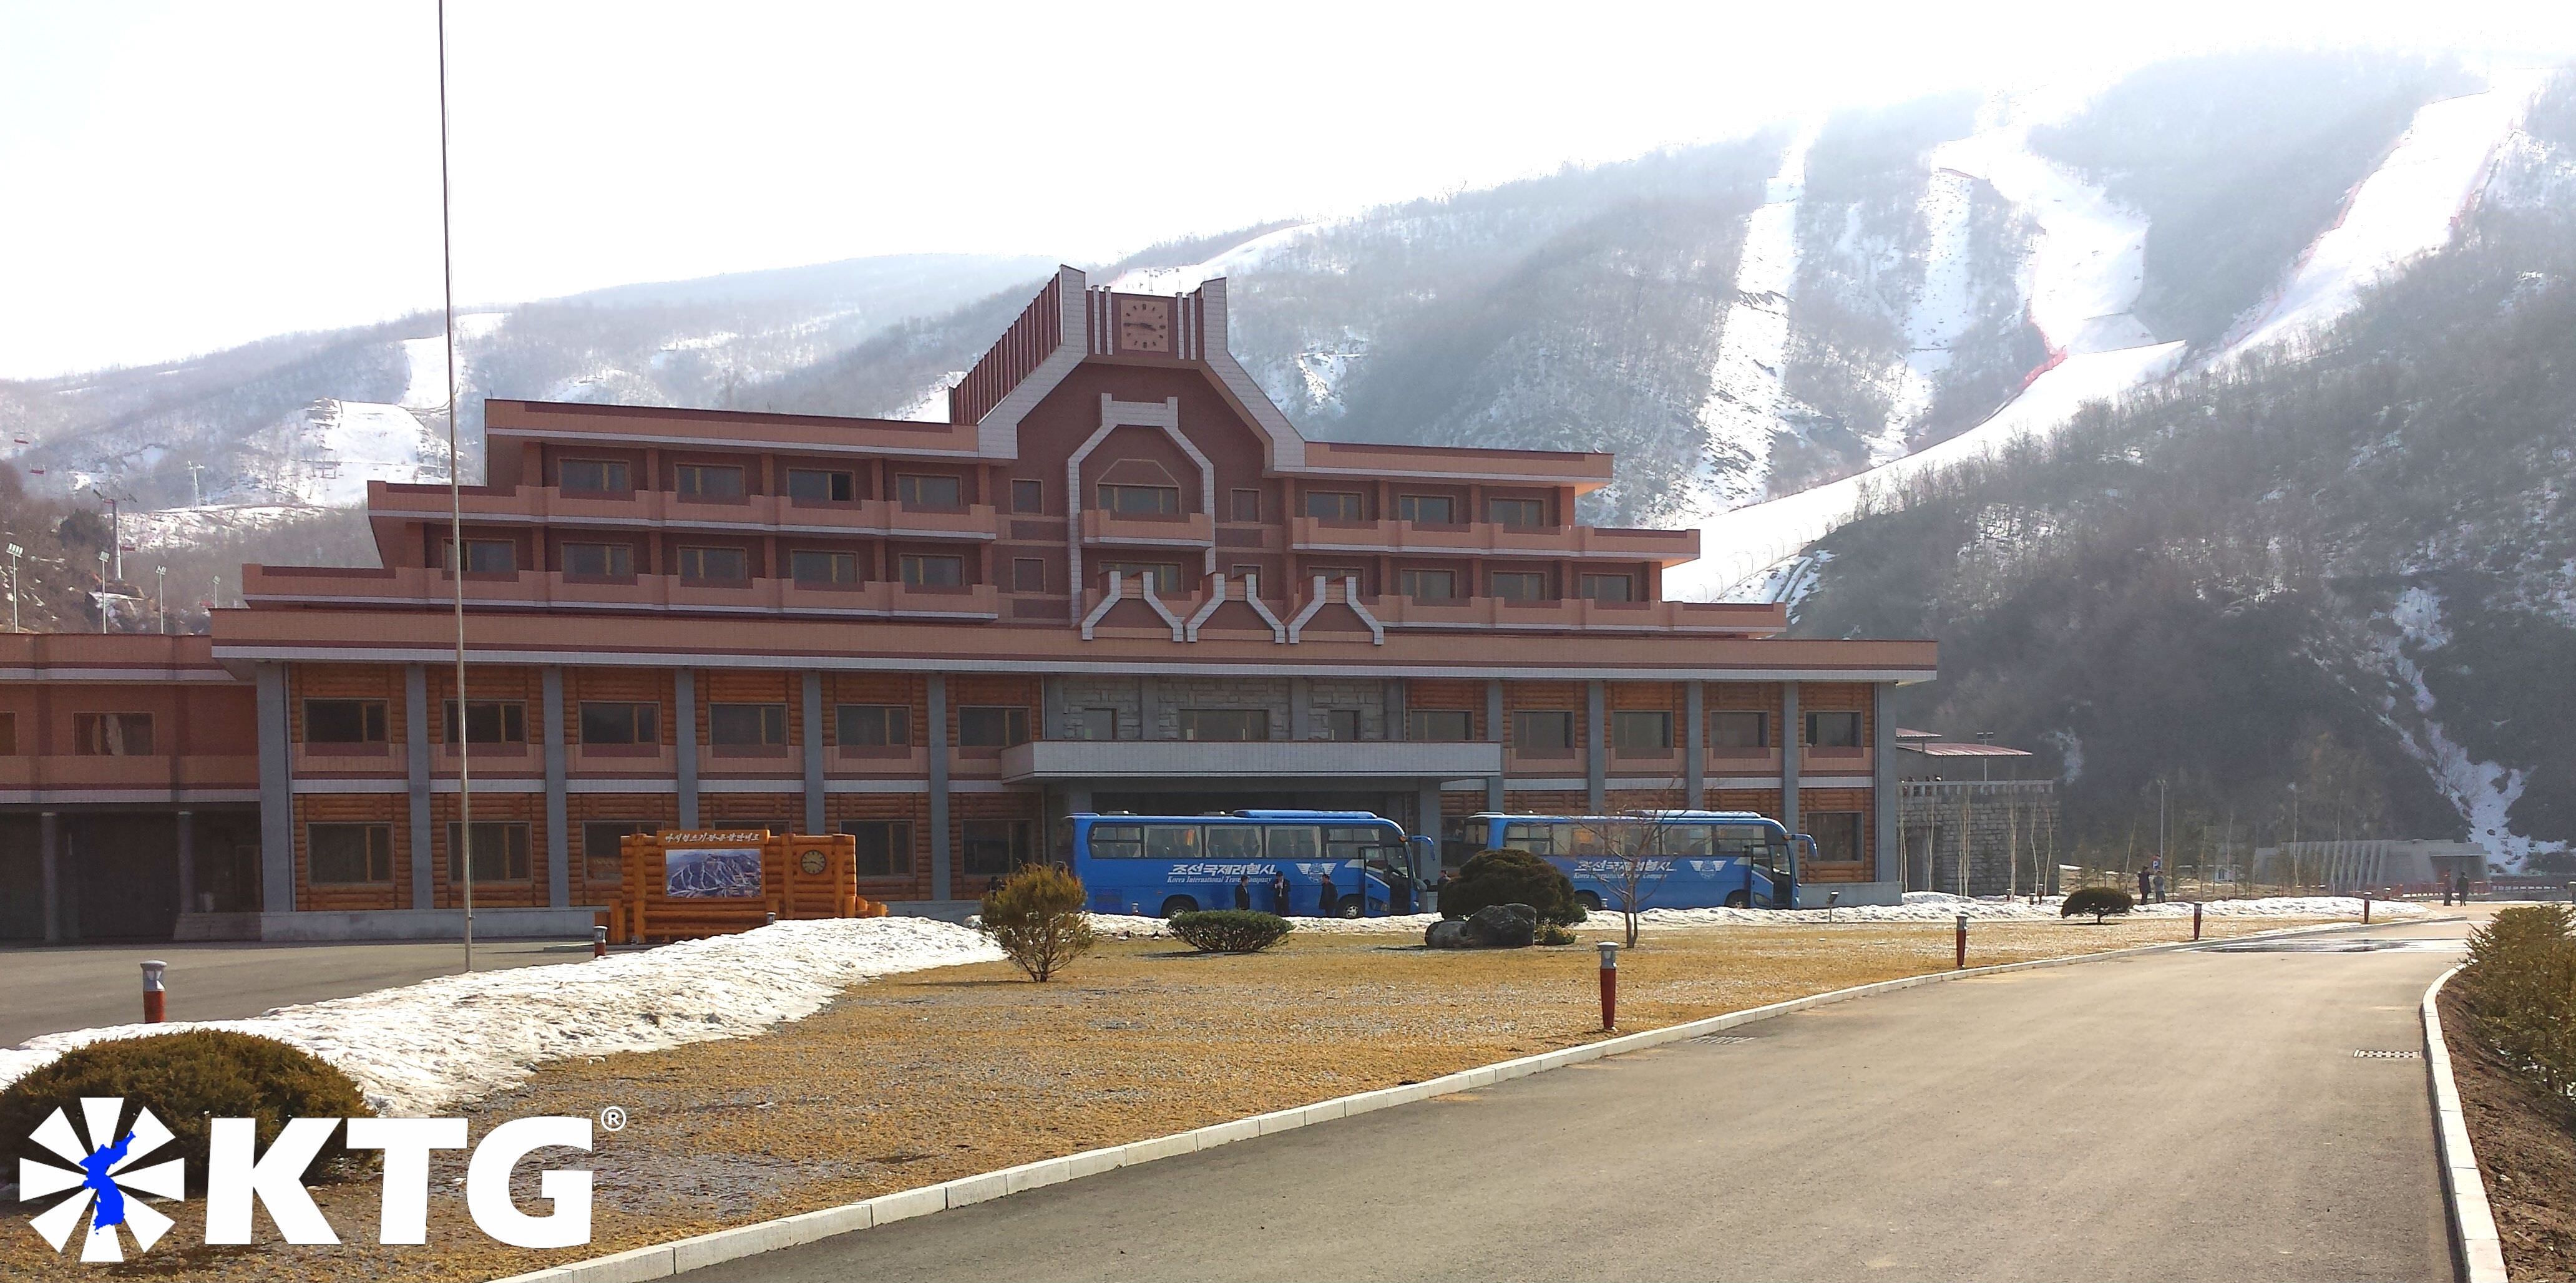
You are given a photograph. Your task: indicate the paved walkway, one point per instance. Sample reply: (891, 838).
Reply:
(2194, 1115)
(79, 987)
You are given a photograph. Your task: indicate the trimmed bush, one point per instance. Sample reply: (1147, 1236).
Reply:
(1231, 930)
(2101, 902)
(1550, 933)
(2520, 986)
(1036, 919)
(187, 1079)
(1511, 877)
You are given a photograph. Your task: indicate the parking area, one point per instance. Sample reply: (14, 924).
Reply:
(77, 987)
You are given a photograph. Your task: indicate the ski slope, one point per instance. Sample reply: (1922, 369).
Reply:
(1741, 415)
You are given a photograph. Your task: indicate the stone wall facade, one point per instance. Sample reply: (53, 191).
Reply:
(1978, 837)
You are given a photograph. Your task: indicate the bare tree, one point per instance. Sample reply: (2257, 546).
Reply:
(1635, 854)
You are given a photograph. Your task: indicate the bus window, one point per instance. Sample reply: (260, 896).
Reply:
(1117, 841)
(1589, 839)
(1233, 842)
(1686, 839)
(1297, 843)
(1773, 855)
(1354, 843)
(1171, 841)
(1743, 839)
(1537, 839)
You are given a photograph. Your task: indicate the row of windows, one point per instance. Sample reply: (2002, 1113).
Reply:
(1420, 585)
(1651, 730)
(717, 564)
(93, 734)
(622, 722)
(362, 854)
(729, 481)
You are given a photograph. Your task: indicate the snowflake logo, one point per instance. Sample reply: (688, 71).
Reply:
(99, 1175)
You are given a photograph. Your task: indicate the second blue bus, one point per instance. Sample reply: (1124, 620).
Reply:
(1678, 859)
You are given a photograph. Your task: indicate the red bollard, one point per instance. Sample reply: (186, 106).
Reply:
(154, 999)
(2365, 906)
(599, 942)
(1609, 985)
(2195, 919)
(1963, 942)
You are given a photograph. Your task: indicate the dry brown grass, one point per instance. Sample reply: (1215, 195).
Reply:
(918, 1079)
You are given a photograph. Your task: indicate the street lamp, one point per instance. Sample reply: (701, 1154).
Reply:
(161, 596)
(15, 552)
(102, 591)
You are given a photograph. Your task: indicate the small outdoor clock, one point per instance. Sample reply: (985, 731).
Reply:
(1144, 325)
(811, 862)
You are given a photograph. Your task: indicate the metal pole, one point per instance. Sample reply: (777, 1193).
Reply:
(154, 999)
(15, 588)
(455, 506)
(102, 594)
(2195, 919)
(1963, 943)
(161, 596)
(1609, 984)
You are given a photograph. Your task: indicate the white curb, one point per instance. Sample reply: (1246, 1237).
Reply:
(2473, 1227)
(663, 1260)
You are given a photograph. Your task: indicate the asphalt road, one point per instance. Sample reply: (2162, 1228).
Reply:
(2193, 1115)
(50, 990)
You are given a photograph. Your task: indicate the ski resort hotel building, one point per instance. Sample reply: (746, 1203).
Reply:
(1116, 578)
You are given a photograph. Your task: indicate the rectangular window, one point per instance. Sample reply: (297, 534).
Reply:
(1516, 513)
(931, 570)
(1837, 834)
(485, 556)
(1293, 842)
(349, 854)
(1229, 725)
(1427, 509)
(1340, 723)
(1439, 725)
(817, 485)
(1141, 501)
(1244, 571)
(603, 855)
(1161, 576)
(1334, 505)
(714, 566)
(1028, 574)
(708, 481)
(1833, 730)
(1610, 587)
(1641, 732)
(1091, 724)
(1117, 842)
(606, 722)
(829, 569)
(1732, 729)
(599, 560)
(112, 734)
(344, 721)
(595, 476)
(992, 848)
(885, 847)
(8, 734)
(1233, 842)
(1542, 731)
(1028, 495)
(500, 851)
(872, 725)
(490, 721)
(1519, 585)
(1172, 842)
(993, 726)
(929, 490)
(1429, 585)
(1245, 505)
(747, 725)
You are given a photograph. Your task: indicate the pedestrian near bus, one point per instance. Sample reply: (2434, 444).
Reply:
(1243, 892)
(1324, 895)
(2146, 886)
(1279, 892)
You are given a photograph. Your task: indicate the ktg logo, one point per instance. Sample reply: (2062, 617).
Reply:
(103, 1176)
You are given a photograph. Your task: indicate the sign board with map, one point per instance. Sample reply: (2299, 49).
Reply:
(684, 884)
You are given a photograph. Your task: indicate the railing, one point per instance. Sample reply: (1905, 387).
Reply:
(537, 590)
(1320, 534)
(1191, 530)
(768, 514)
(1576, 613)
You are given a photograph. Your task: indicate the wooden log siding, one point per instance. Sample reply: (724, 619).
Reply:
(624, 685)
(992, 692)
(906, 808)
(906, 690)
(382, 682)
(1546, 697)
(777, 812)
(1818, 801)
(512, 808)
(729, 686)
(653, 810)
(1761, 697)
(1425, 693)
(351, 808)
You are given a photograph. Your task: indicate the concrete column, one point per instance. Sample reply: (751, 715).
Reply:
(1051, 691)
(1494, 735)
(1426, 815)
(187, 861)
(558, 811)
(1393, 701)
(1596, 745)
(49, 865)
(416, 766)
(1148, 717)
(684, 710)
(1793, 737)
(1301, 709)
(814, 822)
(276, 794)
(1695, 746)
(1882, 792)
(941, 885)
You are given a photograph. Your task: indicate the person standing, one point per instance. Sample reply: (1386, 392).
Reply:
(2146, 885)
(1324, 894)
(1279, 892)
(1243, 892)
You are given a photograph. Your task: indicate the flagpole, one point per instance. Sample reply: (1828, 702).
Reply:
(455, 510)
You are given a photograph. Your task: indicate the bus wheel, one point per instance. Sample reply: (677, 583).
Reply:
(1178, 905)
(1738, 900)
(1591, 903)
(1351, 906)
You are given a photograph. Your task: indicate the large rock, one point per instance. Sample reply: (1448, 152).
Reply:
(1449, 934)
(1503, 926)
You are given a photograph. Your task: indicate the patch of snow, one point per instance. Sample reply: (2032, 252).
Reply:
(2482, 792)
(1741, 415)
(346, 444)
(2408, 207)
(1919, 906)
(932, 405)
(2089, 258)
(423, 1048)
(1241, 258)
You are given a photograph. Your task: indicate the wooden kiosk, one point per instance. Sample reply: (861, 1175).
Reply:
(682, 884)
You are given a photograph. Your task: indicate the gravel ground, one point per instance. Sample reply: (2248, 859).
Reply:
(913, 1079)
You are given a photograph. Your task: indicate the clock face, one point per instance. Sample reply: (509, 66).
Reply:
(811, 863)
(1144, 325)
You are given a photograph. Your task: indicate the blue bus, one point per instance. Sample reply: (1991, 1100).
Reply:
(1682, 859)
(1165, 864)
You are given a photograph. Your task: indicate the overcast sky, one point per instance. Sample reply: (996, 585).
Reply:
(178, 177)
